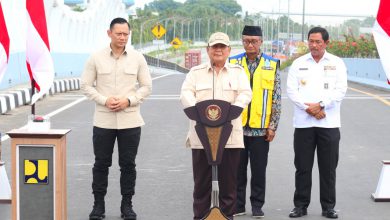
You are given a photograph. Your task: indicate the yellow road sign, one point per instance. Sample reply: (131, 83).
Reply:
(158, 31)
(176, 43)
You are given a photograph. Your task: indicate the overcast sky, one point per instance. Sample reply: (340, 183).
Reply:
(328, 7)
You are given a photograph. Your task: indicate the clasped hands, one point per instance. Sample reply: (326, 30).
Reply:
(315, 110)
(116, 104)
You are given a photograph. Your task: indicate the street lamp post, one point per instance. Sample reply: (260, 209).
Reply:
(174, 28)
(194, 30)
(200, 19)
(208, 27)
(188, 30)
(142, 30)
(272, 33)
(288, 29)
(303, 21)
(278, 44)
(183, 21)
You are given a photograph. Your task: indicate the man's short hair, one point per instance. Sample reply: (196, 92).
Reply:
(118, 21)
(324, 33)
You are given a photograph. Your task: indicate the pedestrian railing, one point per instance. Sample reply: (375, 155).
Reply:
(152, 61)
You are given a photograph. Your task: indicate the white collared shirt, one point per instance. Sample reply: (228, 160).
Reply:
(312, 82)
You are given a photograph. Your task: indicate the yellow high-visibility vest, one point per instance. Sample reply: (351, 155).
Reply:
(258, 113)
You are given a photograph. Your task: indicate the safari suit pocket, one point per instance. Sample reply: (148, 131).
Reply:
(230, 91)
(203, 92)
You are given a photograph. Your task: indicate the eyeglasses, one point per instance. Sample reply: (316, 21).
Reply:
(253, 42)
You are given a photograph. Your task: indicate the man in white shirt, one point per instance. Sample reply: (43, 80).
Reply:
(316, 84)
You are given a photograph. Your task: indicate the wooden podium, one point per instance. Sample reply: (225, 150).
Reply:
(38, 174)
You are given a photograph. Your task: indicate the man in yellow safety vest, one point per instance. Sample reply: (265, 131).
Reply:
(259, 120)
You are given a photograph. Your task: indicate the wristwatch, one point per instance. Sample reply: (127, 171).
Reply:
(322, 105)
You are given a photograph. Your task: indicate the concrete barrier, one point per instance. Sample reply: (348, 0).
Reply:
(366, 71)
(13, 98)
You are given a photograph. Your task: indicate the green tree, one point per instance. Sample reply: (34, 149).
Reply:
(228, 7)
(196, 19)
(368, 22)
(163, 5)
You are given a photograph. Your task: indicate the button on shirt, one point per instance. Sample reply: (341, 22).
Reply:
(312, 82)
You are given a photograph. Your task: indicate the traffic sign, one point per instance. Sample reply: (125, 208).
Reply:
(158, 31)
(176, 43)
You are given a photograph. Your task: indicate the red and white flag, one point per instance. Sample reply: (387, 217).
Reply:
(39, 61)
(381, 32)
(4, 45)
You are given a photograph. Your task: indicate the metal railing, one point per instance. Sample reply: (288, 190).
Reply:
(152, 61)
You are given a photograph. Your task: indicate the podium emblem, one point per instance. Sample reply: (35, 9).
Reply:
(213, 112)
(36, 171)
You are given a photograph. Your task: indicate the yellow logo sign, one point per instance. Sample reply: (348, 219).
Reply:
(158, 31)
(176, 43)
(36, 171)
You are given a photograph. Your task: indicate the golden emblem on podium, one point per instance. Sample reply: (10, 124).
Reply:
(213, 112)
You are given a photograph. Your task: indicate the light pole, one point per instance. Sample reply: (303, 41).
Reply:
(303, 21)
(208, 27)
(200, 19)
(188, 30)
(165, 26)
(194, 30)
(288, 29)
(272, 33)
(269, 38)
(278, 51)
(142, 30)
(183, 21)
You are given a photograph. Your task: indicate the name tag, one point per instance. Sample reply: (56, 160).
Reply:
(329, 67)
(267, 68)
(267, 65)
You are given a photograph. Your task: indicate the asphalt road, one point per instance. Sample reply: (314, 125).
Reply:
(164, 179)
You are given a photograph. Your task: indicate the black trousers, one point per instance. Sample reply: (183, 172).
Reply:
(103, 146)
(256, 152)
(227, 177)
(306, 141)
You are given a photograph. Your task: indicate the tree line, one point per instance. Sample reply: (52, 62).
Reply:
(195, 20)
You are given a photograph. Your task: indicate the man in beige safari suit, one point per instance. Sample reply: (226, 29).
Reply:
(118, 80)
(221, 80)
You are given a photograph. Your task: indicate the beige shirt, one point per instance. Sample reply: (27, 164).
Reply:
(231, 85)
(127, 76)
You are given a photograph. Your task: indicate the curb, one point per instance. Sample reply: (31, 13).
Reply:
(11, 99)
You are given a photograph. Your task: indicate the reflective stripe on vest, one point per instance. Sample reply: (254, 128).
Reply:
(262, 88)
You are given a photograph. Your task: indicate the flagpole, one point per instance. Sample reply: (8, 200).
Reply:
(32, 94)
(38, 48)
